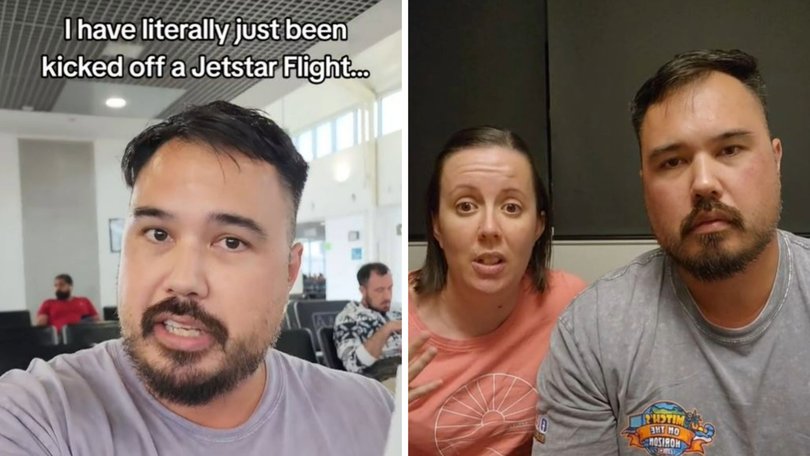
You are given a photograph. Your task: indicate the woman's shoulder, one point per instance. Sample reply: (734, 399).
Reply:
(564, 280)
(561, 288)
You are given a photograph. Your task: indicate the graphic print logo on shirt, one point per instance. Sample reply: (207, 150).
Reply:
(488, 415)
(665, 428)
(540, 429)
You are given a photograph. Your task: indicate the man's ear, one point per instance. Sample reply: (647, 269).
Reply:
(294, 265)
(776, 144)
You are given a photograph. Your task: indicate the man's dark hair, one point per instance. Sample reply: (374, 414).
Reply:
(365, 271)
(691, 66)
(432, 278)
(227, 128)
(65, 278)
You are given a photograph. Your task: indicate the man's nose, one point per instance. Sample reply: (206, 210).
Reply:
(187, 276)
(705, 182)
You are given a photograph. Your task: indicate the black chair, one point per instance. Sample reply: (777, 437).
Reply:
(110, 313)
(20, 356)
(384, 369)
(15, 319)
(89, 334)
(298, 343)
(326, 336)
(314, 315)
(289, 321)
(32, 335)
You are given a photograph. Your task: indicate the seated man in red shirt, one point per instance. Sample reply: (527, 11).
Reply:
(65, 309)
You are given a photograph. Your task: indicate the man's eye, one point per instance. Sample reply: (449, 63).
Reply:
(730, 150)
(232, 243)
(156, 235)
(671, 163)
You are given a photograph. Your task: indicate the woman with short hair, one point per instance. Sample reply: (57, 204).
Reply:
(482, 307)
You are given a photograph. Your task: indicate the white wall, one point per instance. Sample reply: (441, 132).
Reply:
(306, 106)
(586, 259)
(369, 201)
(326, 197)
(389, 214)
(389, 169)
(12, 286)
(17, 125)
(379, 243)
(591, 260)
(112, 200)
(360, 188)
(341, 270)
(389, 246)
(57, 192)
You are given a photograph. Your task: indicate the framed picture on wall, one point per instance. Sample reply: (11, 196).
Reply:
(116, 231)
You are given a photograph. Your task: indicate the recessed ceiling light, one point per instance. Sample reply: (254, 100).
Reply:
(116, 102)
(129, 50)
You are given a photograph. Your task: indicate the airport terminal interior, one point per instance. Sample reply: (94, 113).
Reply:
(64, 200)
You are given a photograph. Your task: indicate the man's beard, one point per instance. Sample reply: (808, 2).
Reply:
(368, 304)
(63, 295)
(195, 387)
(713, 262)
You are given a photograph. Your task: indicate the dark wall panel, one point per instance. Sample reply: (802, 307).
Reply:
(601, 52)
(472, 63)
(485, 62)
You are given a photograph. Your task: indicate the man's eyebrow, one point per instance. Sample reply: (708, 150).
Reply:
(224, 218)
(672, 147)
(732, 134)
(221, 218)
(149, 211)
(660, 150)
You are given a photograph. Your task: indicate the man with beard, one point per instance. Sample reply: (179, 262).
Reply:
(66, 309)
(369, 331)
(697, 347)
(207, 263)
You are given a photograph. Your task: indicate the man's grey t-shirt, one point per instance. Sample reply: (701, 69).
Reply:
(634, 368)
(92, 403)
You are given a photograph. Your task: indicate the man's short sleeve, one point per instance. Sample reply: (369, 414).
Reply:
(44, 308)
(26, 426)
(574, 415)
(90, 308)
(16, 436)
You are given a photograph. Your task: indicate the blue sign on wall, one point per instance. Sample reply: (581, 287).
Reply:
(357, 253)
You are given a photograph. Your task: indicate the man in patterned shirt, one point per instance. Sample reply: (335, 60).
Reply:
(369, 331)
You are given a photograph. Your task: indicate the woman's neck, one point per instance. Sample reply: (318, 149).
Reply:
(459, 312)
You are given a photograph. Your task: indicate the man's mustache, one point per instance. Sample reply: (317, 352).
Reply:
(175, 306)
(732, 215)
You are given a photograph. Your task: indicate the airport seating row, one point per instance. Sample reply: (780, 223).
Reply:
(317, 317)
